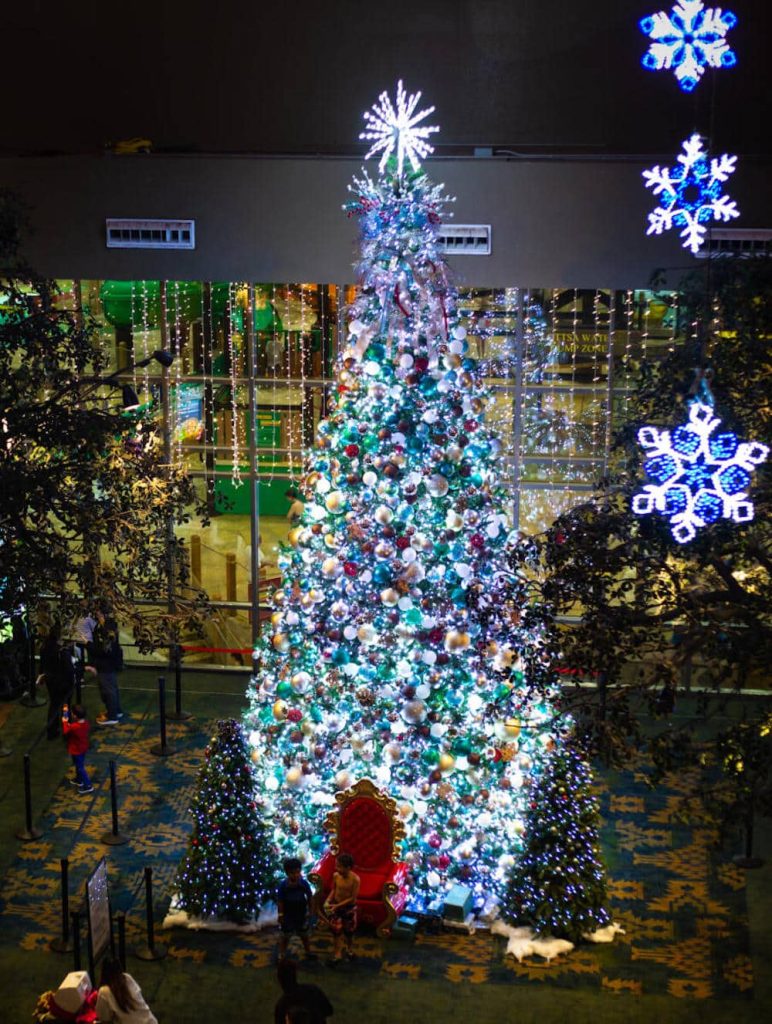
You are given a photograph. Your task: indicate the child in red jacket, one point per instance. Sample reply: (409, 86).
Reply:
(75, 727)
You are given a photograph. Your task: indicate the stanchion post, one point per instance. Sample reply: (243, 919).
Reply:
(162, 749)
(120, 920)
(178, 715)
(75, 923)
(153, 950)
(114, 837)
(63, 944)
(29, 833)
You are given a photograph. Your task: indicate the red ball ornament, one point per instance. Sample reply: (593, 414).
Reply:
(352, 450)
(294, 715)
(477, 541)
(402, 542)
(434, 841)
(350, 568)
(443, 862)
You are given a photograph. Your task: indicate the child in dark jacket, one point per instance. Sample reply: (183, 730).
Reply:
(76, 728)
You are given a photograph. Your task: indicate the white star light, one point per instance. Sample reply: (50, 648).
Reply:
(691, 193)
(687, 40)
(697, 479)
(391, 130)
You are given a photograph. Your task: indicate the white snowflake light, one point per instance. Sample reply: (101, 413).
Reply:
(393, 130)
(688, 40)
(697, 478)
(691, 193)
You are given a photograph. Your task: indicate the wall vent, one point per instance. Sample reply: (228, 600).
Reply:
(130, 233)
(736, 243)
(465, 239)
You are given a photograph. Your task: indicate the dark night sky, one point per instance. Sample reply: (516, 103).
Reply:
(520, 75)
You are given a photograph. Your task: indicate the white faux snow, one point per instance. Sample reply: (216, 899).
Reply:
(176, 918)
(523, 942)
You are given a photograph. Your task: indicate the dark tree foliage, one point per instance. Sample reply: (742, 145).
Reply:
(558, 886)
(653, 612)
(229, 869)
(88, 500)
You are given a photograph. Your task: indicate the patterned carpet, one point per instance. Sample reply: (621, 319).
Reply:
(682, 905)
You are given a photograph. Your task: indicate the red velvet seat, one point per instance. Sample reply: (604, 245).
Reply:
(366, 824)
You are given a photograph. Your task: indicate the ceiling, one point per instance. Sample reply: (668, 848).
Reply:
(518, 76)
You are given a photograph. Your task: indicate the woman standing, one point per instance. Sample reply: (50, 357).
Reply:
(120, 997)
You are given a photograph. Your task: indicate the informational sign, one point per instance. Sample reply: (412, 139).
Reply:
(189, 412)
(98, 912)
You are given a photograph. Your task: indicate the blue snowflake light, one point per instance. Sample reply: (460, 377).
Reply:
(691, 194)
(698, 477)
(688, 40)
(392, 130)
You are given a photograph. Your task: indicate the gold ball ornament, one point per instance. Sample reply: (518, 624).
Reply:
(294, 535)
(300, 682)
(280, 710)
(457, 640)
(294, 777)
(512, 727)
(389, 597)
(446, 763)
(281, 642)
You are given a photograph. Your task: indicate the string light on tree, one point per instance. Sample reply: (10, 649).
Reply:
(691, 194)
(698, 476)
(689, 39)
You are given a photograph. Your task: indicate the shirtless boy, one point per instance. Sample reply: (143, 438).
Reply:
(341, 908)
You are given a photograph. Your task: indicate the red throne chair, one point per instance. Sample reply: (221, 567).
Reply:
(366, 824)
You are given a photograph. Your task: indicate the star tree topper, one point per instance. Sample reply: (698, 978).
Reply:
(697, 478)
(393, 130)
(690, 195)
(687, 40)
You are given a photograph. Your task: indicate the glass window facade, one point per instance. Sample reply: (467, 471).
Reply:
(240, 404)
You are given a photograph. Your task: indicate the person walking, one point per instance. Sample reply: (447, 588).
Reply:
(106, 660)
(76, 729)
(58, 674)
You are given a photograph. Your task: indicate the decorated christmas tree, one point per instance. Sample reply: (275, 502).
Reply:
(405, 645)
(558, 885)
(229, 870)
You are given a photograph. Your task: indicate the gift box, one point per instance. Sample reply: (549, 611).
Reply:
(73, 991)
(458, 904)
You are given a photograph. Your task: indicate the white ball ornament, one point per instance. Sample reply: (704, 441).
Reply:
(331, 568)
(344, 780)
(300, 682)
(335, 503)
(383, 513)
(389, 597)
(437, 485)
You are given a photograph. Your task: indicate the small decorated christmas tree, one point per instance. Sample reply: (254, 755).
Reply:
(228, 870)
(558, 885)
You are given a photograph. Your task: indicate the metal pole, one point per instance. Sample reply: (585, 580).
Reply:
(75, 922)
(28, 834)
(30, 699)
(162, 749)
(114, 837)
(178, 715)
(62, 944)
(151, 951)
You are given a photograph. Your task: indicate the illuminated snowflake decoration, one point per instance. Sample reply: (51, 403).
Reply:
(698, 477)
(392, 130)
(688, 40)
(690, 194)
